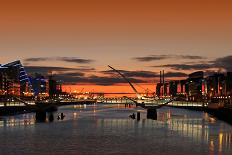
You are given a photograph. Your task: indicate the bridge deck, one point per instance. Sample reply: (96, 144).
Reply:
(157, 103)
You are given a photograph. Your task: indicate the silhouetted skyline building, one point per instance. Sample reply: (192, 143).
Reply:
(195, 86)
(173, 88)
(39, 84)
(162, 88)
(13, 78)
(198, 88)
(55, 87)
(15, 81)
(229, 84)
(178, 88)
(216, 85)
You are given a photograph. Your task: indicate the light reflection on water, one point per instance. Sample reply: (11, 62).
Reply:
(22, 120)
(175, 130)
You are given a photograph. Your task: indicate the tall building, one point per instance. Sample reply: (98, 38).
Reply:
(178, 89)
(162, 88)
(10, 84)
(198, 88)
(173, 88)
(195, 82)
(52, 87)
(55, 87)
(2, 81)
(13, 78)
(183, 87)
(40, 85)
(216, 85)
(229, 84)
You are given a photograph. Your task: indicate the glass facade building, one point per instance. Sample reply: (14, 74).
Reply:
(14, 80)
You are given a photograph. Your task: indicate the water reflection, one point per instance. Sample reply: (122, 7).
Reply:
(51, 117)
(198, 128)
(195, 129)
(12, 121)
(205, 129)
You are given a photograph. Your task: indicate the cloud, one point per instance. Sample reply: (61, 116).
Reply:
(175, 74)
(77, 75)
(67, 75)
(111, 80)
(70, 78)
(85, 69)
(187, 66)
(114, 80)
(36, 59)
(73, 74)
(145, 74)
(64, 59)
(46, 69)
(75, 60)
(224, 62)
(189, 57)
(96, 80)
(162, 57)
(138, 74)
(60, 73)
(151, 58)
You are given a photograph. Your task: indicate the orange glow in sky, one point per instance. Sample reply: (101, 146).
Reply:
(114, 32)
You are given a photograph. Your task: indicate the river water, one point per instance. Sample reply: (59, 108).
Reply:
(107, 129)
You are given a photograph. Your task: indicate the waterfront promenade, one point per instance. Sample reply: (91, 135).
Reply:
(17, 107)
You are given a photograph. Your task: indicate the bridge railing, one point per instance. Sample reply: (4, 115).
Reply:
(11, 103)
(158, 102)
(187, 104)
(117, 100)
(15, 103)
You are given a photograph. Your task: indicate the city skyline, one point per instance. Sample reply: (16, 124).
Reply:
(78, 39)
(106, 77)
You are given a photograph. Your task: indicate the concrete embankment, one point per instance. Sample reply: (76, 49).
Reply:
(224, 114)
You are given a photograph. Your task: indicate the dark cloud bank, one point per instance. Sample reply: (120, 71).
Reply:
(198, 63)
(162, 57)
(78, 75)
(64, 59)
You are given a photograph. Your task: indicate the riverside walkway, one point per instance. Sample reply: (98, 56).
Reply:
(16, 105)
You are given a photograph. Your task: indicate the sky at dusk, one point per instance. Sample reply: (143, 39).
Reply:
(77, 39)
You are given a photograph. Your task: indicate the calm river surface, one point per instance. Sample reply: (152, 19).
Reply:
(107, 129)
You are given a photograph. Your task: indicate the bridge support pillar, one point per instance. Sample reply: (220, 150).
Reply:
(152, 113)
(40, 116)
(138, 116)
